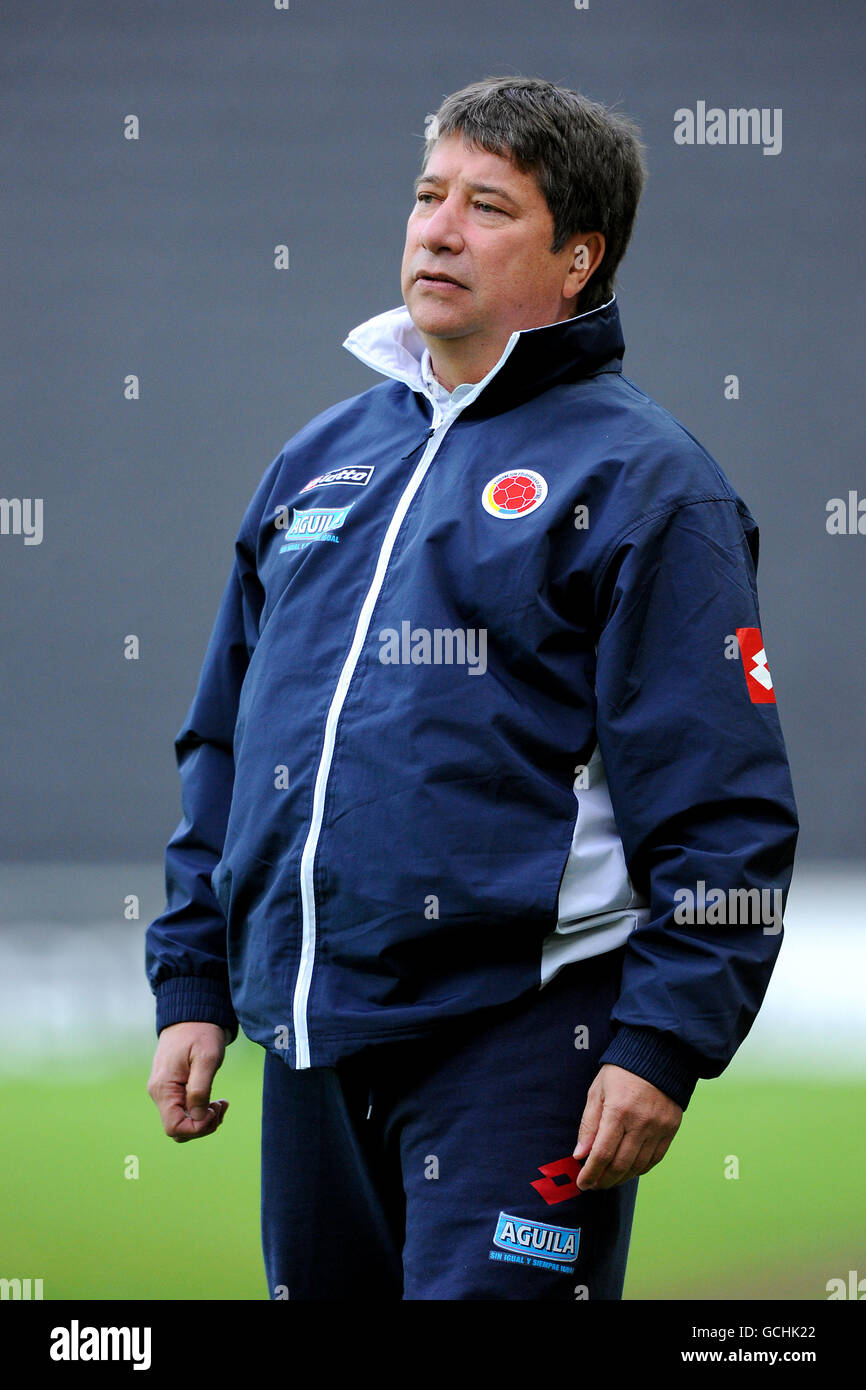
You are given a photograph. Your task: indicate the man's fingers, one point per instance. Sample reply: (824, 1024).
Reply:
(618, 1155)
(604, 1147)
(637, 1125)
(188, 1128)
(660, 1151)
(203, 1068)
(631, 1160)
(173, 1115)
(187, 1058)
(651, 1152)
(173, 1105)
(589, 1121)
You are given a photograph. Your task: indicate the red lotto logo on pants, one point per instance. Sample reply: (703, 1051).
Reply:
(758, 678)
(558, 1191)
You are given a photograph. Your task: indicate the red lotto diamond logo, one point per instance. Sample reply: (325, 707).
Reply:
(553, 1191)
(513, 494)
(758, 678)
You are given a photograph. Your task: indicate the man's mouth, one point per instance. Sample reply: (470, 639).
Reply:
(435, 277)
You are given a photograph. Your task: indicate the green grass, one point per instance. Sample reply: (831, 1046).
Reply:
(188, 1226)
(794, 1218)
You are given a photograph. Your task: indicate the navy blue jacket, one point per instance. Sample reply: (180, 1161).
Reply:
(486, 695)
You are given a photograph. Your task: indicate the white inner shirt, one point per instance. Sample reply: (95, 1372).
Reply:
(445, 398)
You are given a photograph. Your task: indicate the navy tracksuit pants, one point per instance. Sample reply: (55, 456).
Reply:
(441, 1168)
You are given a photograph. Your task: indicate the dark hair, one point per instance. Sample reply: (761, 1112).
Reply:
(586, 158)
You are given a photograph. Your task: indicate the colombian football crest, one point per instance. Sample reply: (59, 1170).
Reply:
(514, 493)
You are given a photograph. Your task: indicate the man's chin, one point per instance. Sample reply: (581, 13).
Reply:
(436, 322)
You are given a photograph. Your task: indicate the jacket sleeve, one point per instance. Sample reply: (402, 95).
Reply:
(700, 788)
(186, 952)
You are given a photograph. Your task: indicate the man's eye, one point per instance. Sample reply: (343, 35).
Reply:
(487, 207)
(423, 197)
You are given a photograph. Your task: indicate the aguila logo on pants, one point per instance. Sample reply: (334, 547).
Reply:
(522, 1237)
(512, 494)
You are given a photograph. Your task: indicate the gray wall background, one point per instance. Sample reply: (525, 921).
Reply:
(155, 257)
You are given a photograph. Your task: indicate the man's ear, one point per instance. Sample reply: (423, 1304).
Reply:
(587, 253)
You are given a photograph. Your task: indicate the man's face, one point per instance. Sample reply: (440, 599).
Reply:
(477, 261)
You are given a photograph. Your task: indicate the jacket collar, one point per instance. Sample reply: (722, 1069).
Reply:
(533, 359)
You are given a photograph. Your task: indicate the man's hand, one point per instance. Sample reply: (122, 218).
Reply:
(627, 1127)
(188, 1056)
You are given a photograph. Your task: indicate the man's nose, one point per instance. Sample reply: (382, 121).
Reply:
(441, 231)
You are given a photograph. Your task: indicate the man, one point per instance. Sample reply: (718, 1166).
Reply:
(485, 792)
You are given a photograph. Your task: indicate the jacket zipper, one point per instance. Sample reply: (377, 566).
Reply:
(441, 423)
(308, 855)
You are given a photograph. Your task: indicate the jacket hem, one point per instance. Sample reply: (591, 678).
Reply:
(195, 999)
(657, 1058)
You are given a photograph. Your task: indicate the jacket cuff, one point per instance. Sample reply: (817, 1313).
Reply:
(657, 1058)
(195, 999)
